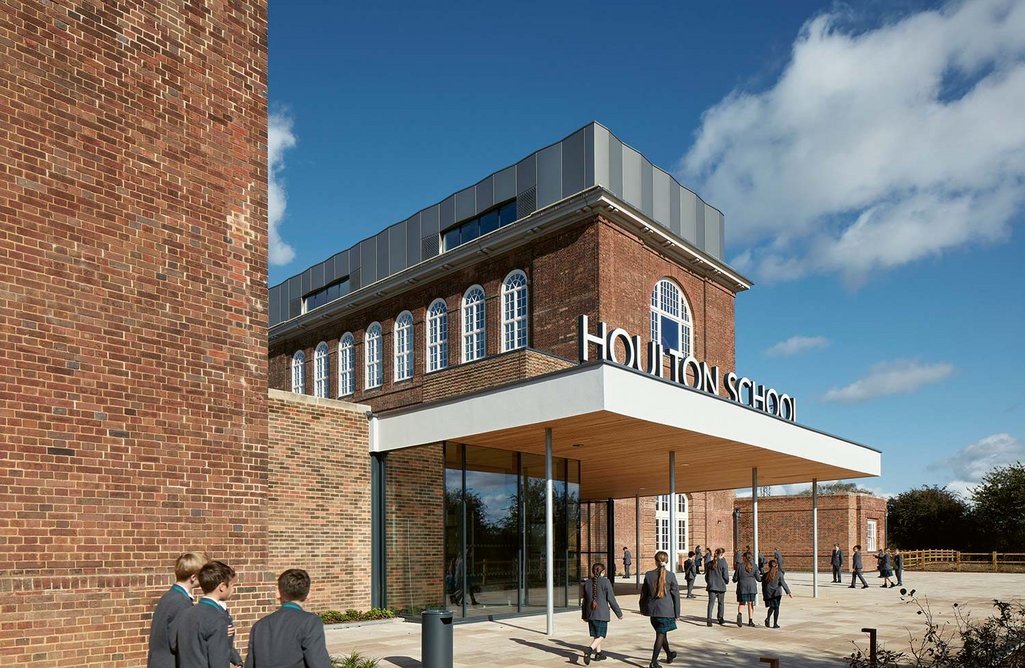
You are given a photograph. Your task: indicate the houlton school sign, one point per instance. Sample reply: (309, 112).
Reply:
(683, 369)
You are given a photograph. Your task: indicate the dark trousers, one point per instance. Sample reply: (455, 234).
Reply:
(690, 589)
(626, 567)
(900, 576)
(857, 574)
(836, 574)
(719, 596)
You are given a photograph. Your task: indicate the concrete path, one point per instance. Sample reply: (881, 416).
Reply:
(816, 632)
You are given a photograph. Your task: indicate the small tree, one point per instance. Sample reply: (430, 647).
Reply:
(999, 511)
(928, 517)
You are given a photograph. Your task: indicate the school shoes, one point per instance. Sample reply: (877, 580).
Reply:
(600, 656)
(864, 586)
(851, 587)
(587, 656)
(740, 619)
(708, 621)
(670, 656)
(767, 620)
(654, 664)
(775, 626)
(750, 623)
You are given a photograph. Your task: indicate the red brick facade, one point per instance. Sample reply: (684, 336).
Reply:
(786, 522)
(318, 496)
(133, 264)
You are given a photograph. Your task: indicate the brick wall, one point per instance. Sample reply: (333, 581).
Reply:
(488, 372)
(415, 533)
(133, 263)
(785, 522)
(318, 496)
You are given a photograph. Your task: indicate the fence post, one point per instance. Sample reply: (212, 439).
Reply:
(994, 562)
(957, 561)
(872, 660)
(773, 662)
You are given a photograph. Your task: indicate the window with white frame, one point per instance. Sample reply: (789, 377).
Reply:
(321, 364)
(514, 311)
(662, 525)
(437, 335)
(372, 352)
(473, 324)
(346, 365)
(404, 346)
(870, 536)
(299, 372)
(670, 317)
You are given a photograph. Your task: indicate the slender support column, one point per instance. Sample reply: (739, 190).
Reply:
(378, 544)
(673, 524)
(754, 512)
(549, 536)
(814, 537)
(610, 539)
(637, 541)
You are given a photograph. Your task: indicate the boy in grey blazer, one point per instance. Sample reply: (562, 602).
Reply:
(173, 603)
(856, 567)
(204, 638)
(717, 577)
(289, 637)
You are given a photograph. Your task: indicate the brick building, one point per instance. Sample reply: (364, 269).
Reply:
(133, 290)
(502, 325)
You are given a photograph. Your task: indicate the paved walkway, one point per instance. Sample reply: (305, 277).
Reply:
(816, 632)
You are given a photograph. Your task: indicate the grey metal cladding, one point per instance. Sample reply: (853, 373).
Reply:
(526, 173)
(688, 218)
(466, 203)
(660, 189)
(429, 220)
(699, 222)
(615, 166)
(295, 294)
(397, 248)
(317, 281)
(588, 155)
(382, 254)
(307, 282)
(274, 302)
(295, 308)
(413, 240)
(674, 209)
(646, 184)
(368, 260)
(341, 265)
(549, 175)
(505, 184)
(355, 279)
(712, 232)
(632, 176)
(722, 236)
(485, 195)
(574, 158)
(602, 161)
(447, 212)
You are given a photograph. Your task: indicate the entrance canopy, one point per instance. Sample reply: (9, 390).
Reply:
(621, 425)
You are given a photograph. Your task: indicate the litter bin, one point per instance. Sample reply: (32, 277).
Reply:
(436, 639)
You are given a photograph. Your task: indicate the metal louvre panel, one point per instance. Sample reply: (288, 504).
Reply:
(429, 246)
(526, 202)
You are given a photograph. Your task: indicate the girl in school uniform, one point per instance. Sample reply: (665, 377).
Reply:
(660, 601)
(773, 586)
(598, 598)
(886, 569)
(747, 578)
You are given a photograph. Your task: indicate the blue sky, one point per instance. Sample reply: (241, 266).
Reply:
(869, 158)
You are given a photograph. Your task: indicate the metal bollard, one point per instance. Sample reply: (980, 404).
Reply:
(872, 660)
(436, 639)
(773, 662)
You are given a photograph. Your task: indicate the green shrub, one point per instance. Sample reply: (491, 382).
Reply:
(336, 617)
(354, 660)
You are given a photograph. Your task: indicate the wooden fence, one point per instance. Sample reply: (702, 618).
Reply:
(957, 560)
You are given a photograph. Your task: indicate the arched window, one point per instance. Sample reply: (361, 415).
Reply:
(372, 351)
(514, 311)
(321, 364)
(670, 317)
(473, 324)
(404, 346)
(299, 372)
(437, 335)
(346, 365)
(662, 526)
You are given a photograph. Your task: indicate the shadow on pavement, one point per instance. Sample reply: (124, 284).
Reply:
(403, 661)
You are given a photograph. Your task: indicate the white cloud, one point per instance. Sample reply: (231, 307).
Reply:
(874, 148)
(969, 465)
(797, 344)
(280, 138)
(885, 378)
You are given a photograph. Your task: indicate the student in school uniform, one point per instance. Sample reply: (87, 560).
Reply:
(660, 602)
(898, 566)
(690, 573)
(773, 586)
(708, 557)
(204, 638)
(717, 578)
(289, 637)
(778, 556)
(173, 603)
(886, 570)
(836, 561)
(628, 559)
(856, 568)
(699, 557)
(747, 578)
(597, 603)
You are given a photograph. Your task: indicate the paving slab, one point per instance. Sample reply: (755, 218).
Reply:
(815, 633)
